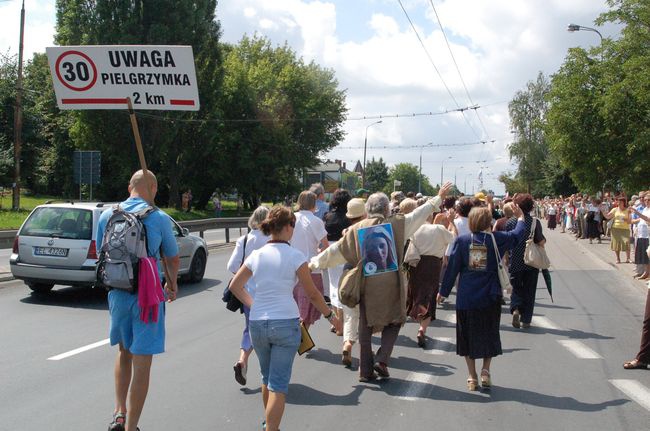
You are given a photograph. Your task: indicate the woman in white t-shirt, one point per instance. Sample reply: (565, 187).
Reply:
(274, 318)
(642, 233)
(244, 246)
(308, 237)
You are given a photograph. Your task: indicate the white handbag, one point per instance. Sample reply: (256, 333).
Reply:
(535, 255)
(504, 276)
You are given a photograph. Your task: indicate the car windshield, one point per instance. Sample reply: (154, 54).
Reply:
(68, 223)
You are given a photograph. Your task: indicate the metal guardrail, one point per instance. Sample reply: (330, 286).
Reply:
(200, 226)
(7, 238)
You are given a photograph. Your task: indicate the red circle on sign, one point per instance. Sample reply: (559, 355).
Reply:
(80, 54)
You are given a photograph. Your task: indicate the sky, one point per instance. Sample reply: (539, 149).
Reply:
(497, 47)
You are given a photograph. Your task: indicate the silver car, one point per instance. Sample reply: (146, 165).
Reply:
(57, 245)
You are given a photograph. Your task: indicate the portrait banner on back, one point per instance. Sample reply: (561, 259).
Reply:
(378, 253)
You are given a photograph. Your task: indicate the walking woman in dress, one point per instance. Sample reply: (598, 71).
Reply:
(308, 236)
(478, 300)
(274, 317)
(551, 213)
(424, 259)
(620, 229)
(245, 245)
(523, 277)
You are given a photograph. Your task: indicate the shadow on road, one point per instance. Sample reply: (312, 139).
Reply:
(306, 396)
(96, 299)
(396, 388)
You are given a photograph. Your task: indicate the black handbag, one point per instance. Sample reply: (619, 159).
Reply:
(232, 302)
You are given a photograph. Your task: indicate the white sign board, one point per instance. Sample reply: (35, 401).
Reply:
(102, 77)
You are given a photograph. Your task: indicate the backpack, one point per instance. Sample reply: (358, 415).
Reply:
(123, 244)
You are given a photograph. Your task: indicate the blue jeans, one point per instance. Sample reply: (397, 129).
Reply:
(276, 344)
(246, 344)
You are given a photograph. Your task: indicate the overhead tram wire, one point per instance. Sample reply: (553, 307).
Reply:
(435, 67)
(460, 75)
(271, 120)
(397, 147)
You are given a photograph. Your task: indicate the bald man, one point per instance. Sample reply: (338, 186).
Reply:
(139, 341)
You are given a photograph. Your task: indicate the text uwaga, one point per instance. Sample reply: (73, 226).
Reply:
(143, 59)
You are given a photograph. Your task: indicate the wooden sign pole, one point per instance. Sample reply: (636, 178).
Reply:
(138, 145)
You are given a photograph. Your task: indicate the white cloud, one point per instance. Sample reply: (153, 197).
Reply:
(249, 12)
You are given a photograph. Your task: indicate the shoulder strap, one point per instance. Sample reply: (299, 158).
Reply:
(243, 254)
(496, 250)
(533, 227)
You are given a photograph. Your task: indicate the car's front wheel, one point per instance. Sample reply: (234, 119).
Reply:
(40, 287)
(197, 268)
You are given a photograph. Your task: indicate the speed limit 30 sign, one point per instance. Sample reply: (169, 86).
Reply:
(102, 77)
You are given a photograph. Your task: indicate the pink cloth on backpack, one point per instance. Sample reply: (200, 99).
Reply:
(150, 293)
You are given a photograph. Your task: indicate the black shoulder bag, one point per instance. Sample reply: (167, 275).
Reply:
(232, 302)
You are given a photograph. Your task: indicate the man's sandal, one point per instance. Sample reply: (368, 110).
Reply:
(635, 364)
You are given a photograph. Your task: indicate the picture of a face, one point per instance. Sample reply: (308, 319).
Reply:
(377, 246)
(377, 251)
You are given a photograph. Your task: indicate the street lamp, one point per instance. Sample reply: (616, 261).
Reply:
(420, 174)
(575, 27)
(456, 170)
(442, 169)
(465, 183)
(365, 144)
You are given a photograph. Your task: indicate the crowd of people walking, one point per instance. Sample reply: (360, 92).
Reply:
(370, 265)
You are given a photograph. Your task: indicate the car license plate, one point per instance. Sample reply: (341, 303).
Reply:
(51, 251)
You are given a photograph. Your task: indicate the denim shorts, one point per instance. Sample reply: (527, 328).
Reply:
(127, 329)
(276, 344)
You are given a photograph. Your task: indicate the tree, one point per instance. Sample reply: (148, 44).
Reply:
(376, 175)
(529, 148)
(408, 174)
(282, 113)
(597, 122)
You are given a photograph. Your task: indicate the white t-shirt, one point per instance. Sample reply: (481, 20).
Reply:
(462, 227)
(307, 234)
(642, 227)
(274, 269)
(256, 240)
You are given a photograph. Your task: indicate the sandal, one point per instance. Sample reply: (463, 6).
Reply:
(346, 359)
(118, 423)
(635, 364)
(472, 384)
(421, 338)
(486, 380)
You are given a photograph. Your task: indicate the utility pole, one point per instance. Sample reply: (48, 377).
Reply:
(18, 115)
(420, 174)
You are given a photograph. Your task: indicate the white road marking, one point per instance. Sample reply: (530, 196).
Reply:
(418, 384)
(444, 349)
(543, 322)
(579, 349)
(79, 350)
(634, 390)
(451, 318)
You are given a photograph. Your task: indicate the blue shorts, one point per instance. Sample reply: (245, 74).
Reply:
(128, 330)
(276, 344)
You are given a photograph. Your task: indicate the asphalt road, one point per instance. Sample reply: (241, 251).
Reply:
(564, 373)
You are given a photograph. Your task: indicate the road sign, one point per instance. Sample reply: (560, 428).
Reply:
(87, 167)
(102, 77)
